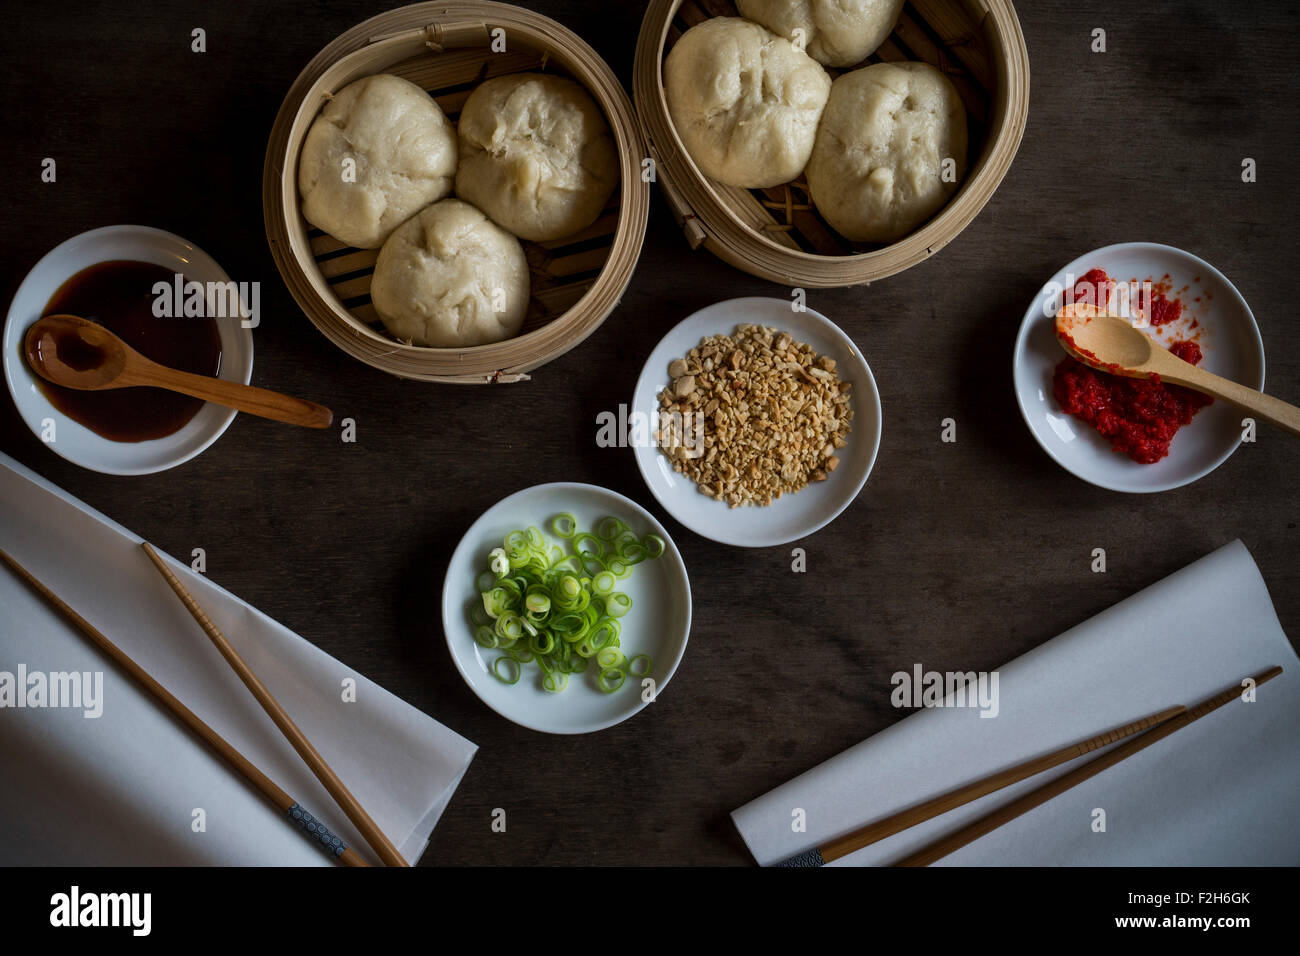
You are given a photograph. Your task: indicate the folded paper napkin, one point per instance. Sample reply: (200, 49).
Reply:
(133, 785)
(1221, 791)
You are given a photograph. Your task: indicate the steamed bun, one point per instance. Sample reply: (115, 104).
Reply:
(450, 277)
(876, 172)
(835, 32)
(744, 101)
(404, 157)
(535, 155)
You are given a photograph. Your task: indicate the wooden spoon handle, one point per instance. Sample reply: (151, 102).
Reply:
(1270, 409)
(245, 398)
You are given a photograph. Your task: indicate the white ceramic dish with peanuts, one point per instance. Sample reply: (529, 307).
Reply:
(793, 516)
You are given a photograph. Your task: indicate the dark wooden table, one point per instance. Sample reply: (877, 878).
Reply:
(957, 556)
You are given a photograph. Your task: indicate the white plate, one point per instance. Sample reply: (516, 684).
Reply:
(1230, 345)
(792, 516)
(74, 441)
(658, 624)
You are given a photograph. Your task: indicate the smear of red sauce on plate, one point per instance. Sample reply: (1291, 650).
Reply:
(1164, 310)
(1138, 416)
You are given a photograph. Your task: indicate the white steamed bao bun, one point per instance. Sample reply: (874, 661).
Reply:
(450, 278)
(403, 152)
(744, 101)
(877, 171)
(835, 32)
(535, 155)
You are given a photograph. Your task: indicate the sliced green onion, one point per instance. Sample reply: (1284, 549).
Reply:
(513, 670)
(556, 605)
(567, 590)
(587, 545)
(603, 633)
(618, 604)
(570, 563)
(570, 627)
(510, 626)
(494, 602)
(499, 562)
(611, 657)
(611, 679)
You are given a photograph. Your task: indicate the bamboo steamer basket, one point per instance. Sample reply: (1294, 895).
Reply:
(446, 49)
(776, 233)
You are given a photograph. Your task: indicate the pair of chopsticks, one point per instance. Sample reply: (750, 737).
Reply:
(312, 827)
(1150, 730)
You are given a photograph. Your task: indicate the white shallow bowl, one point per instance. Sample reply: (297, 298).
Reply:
(1230, 344)
(658, 624)
(792, 516)
(74, 441)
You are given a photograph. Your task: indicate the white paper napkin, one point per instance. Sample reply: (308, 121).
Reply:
(1222, 791)
(133, 785)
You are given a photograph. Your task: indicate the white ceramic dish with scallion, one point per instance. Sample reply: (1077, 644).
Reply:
(657, 625)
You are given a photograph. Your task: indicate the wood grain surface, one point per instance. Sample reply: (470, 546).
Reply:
(958, 556)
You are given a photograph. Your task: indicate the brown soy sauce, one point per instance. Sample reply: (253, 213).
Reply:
(119, 296)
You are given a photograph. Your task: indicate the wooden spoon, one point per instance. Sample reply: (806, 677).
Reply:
(1110, 343)
(77, 353)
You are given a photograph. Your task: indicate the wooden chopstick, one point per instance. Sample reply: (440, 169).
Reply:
(911, 816)
(328, 778)
(990, 822)
(316, 832)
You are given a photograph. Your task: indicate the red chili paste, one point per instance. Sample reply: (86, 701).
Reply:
(1139, 416)
(1163, 310)
(1093, 288)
